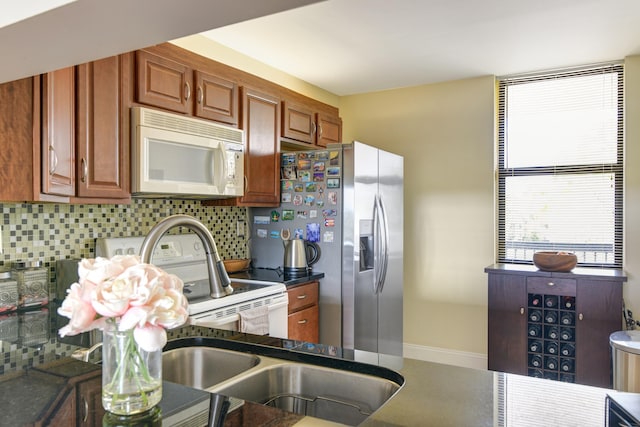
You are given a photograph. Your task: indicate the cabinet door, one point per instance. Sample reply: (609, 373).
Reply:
(90, 410)
(261, 123)
(58, 132)
(298, 122)
(302, 296)
(103, 140)
(599, 314)
(507, 347)
(329, 130)
(303, 325)
(17, 147)
(163, 83)
(216, 98)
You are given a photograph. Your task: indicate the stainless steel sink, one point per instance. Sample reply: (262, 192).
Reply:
(203, 367)
(331, 394)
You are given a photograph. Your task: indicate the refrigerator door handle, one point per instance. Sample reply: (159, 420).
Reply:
(384, 222)
(376, 245)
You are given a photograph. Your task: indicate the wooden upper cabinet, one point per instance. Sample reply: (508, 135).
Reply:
(298, 122)
(58, 132)
(329, 130)
(303, 123)
(102, 164)
(261, 123)
(171, 85)
(164, 83)
(216, 98)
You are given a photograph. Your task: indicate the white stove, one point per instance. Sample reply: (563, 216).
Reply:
(184, 256)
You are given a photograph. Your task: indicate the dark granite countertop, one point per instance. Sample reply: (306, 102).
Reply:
(275, 275)
(432, 395)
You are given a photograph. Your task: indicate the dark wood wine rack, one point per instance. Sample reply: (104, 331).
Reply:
(551, 321)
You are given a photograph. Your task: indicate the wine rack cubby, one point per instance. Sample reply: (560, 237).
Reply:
(551, 341)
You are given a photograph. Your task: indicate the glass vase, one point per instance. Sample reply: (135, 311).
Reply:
(131, 377)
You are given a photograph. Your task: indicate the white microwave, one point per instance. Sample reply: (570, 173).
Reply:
(182, 157)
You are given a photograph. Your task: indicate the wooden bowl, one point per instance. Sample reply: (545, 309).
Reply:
(235, 265)
(555, 261)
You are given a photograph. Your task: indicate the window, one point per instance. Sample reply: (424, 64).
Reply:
(560, 165)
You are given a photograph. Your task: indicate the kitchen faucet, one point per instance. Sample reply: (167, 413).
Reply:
(219, 282)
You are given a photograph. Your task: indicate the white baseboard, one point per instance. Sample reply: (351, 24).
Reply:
(446, 356)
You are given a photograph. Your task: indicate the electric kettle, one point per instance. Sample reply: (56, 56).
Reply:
(299, 256)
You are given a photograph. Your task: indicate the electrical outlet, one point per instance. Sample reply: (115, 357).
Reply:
(240, 228)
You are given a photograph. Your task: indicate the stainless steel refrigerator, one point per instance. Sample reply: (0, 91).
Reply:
(349, 200)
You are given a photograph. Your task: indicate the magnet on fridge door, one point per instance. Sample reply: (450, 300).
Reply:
(313, 232)
(298, 233)
(261, 233)
(310, 187)
(261, 219)
(287, 214)
(285, 197)
(333, 171)
(274, 234)
(313, 213)
(334, 158)
(327, 237)
(304, 164)
(333, 183)
(302, 214)
(329, 212)
(318, 176)
(298, 187)
(329, 222)
(304, 175)
(286, 186)
(308, 200)
(333, 197)
(318, 166)
(297, 200)
(322, 155)
(275, 216)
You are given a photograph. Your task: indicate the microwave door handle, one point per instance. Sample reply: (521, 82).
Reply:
(222, 170)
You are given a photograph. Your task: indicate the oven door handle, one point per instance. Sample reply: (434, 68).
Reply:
(203, 318)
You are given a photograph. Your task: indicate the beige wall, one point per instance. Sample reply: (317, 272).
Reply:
(446, 134)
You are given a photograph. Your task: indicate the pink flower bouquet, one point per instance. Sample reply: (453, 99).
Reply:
(129, 293)
(132, 303)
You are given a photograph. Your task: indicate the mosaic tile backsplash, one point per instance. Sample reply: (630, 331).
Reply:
(48, 232)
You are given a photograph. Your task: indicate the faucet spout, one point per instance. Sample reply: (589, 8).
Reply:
(219, 282)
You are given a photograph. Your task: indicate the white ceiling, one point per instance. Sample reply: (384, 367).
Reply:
(37, 36)
(356, 46)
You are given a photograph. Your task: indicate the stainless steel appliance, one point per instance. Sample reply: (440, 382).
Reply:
(299, 256)
(348, 199)
(183, 157)
(184, 256)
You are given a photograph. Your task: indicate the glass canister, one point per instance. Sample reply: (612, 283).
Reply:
(33, 283)
(8, 292)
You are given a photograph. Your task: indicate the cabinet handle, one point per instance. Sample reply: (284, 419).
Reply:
(246, 184)
(580, 316)
(302, 296)
(53, 160)
(521, 310)
(313, 131)
(551, 284)
(85, 405)
(187, 91)
(302, 322)
(85, 170)
(319, 131)
(199, 95)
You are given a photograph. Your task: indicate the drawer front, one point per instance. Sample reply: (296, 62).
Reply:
(551, 286)
(303, 325)
(303, 296)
